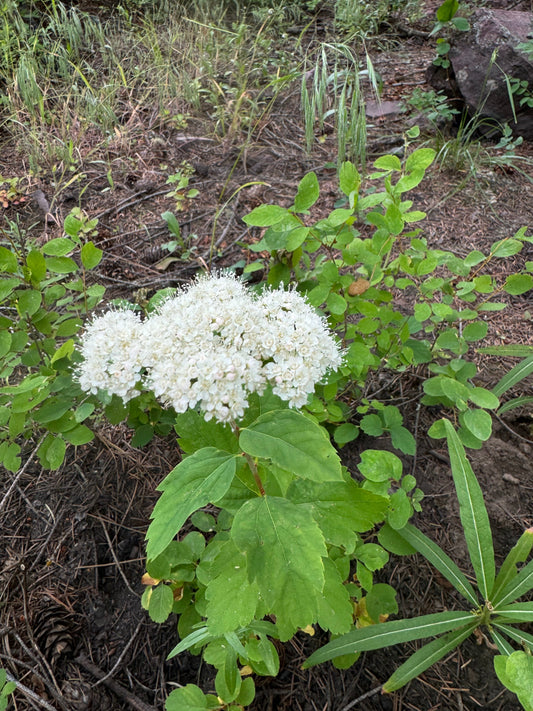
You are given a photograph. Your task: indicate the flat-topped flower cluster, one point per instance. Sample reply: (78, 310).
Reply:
(210, 346)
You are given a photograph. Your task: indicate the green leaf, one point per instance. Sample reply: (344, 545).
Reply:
(519, 672)
(231, 598)
(202, 478)
(518, 586)
(284, 548)
(523, 638)
(426, 656)
(506, 248)
(79, 435)
(381, 600)
(516, 284)
(335, 609)
(247, 692)
(37, 266)
(475, 331)
(199, 636)
(8, 261)
(514, 376)
(160, 603)
(308, 193)
(386, 634)
(61, 265)
(483, 398)
(403, 440)
(265, 215)
(293, 442)
(518, 554)
(91, 256)
(29, 302)
(394, 543)
(228, 680)
(514, 403)
(400, 509)
(474, 517)
(447, 10)
(188, 698)
(438, 558)
(372, 425)
(341, 509)
(516, 614)
(349, 178)
(478, 422)
(420, 159)
(55, 452)
(58, 247)
(389, 162)
(379, 465)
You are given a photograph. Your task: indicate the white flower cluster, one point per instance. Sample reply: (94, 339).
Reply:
(210, 346)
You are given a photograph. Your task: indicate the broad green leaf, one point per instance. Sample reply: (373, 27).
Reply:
(28, 302)
(293, 442)
(426, 656)
(231, 598)
(381, 600)
(90, 255)
(265, 215)
(195, 433)
(335, 609)
(55, 452)
(379, 465)
(389, 162)
(228, 680)
(483, 398)
(447, 10)
(308, 192)
(391, 541)
(438, 558)
(514, 376)
(506, 247)
(518, 586)
(188, 698)
(202, 478)
(58, 247)
(160, 603)
(349, 178)
(474, 517)
(37, 266)
(479, 422)
(61, 265)
(400, 509)
(475, 331)
(519, 672)
(247, 692)
(516, 284)
(284, 548)
(420, 159)
(372, 555)
(386, 634)
(79, 435)
(508, 571)
(8, 261)
(341, 509)
(402, 439)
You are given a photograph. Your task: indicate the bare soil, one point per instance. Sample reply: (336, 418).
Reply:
(71, 541)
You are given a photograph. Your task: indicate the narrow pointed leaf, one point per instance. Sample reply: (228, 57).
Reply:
(426, 656)
(517, 613)
(508, 570)
(201, 635)
(473, 513)
(518, 586)
(200, 479)
(293, 442)
(387, 634)
(504, 647)
(514, 376)
(438, 558)
(523, 638)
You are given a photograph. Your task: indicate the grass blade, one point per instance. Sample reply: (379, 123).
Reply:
(473, 513)
(518, 554)
(438, 558)
(427, 656)
(514, 376)
(387, 634)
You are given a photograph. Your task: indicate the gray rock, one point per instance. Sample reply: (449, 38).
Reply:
(480, 81)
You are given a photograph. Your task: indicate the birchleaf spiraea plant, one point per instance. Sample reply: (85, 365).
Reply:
(278, 521)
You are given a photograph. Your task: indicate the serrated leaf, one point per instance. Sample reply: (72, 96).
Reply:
(308, 193)
(341, 509)
(293, 442)
(202, 478)
(335, 609)
(474, 517)
(160, 604)
(387, 634)
(231, 598)
(284, 547)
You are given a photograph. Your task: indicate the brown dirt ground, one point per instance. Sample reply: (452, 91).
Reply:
(71, 542)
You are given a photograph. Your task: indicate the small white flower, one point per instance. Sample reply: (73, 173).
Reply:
(112, 347)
